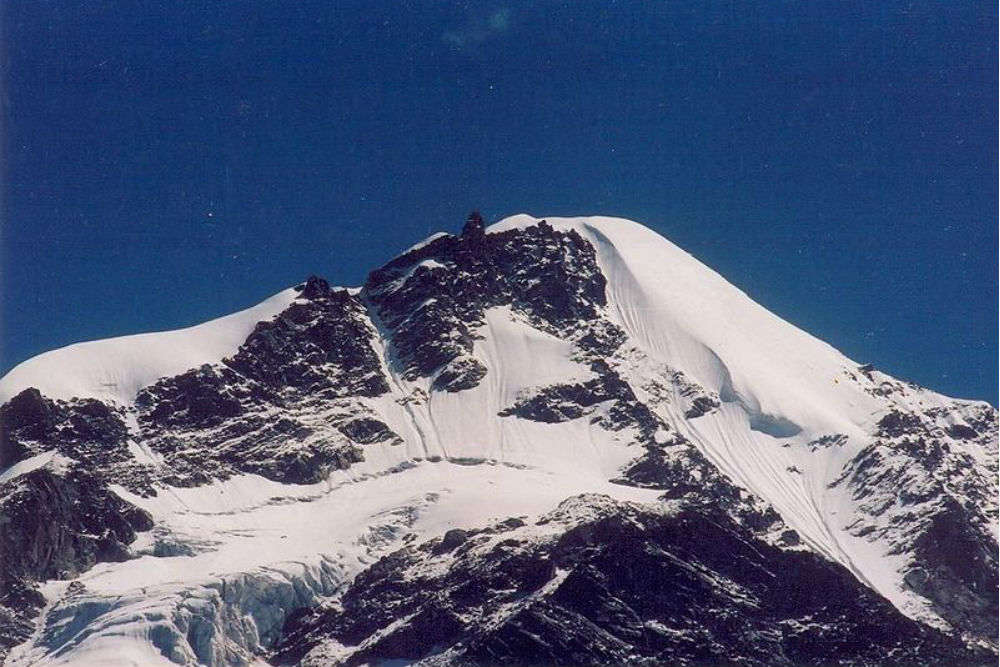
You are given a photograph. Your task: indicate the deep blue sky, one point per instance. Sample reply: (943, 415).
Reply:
(167, 163)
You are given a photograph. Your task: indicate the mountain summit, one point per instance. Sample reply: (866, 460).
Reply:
(549, 441)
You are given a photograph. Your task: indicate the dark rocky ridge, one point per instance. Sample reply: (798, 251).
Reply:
(683, 472)
(62, 519)
(563, 402)
(321, 344)
(20, 604)
(612, 583)
(58, 521)
(55, 524)
(74, 521)
(86, 430)
(919, 493)
(255, 412)
(433, 299)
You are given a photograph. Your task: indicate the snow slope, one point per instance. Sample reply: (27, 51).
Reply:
(115, 369)
(780, 388)
(682, 312)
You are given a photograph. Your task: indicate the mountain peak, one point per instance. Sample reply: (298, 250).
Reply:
(442, 411)
(313, 287)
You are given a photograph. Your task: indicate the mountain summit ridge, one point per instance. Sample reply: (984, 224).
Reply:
(543, 358)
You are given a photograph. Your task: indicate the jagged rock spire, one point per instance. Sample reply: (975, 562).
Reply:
(474, 226)
(314, 287)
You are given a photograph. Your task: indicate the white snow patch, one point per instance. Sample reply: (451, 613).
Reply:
(115, 369)
(49, 458)
(427, 241)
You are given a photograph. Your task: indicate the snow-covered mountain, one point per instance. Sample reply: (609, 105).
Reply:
(560, 441)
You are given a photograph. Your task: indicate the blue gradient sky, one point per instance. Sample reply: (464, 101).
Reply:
(167, 163)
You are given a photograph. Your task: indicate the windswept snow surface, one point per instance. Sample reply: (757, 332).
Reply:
(681, 312)
(115, 369)
(780, 388)
(228, 561)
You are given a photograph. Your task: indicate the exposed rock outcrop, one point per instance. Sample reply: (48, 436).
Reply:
(599, 582)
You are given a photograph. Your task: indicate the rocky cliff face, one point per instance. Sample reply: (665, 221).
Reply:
(60, 518)
(268, 409)
(600, 582)
(534, 444)
(934, 501)
(433, 299)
